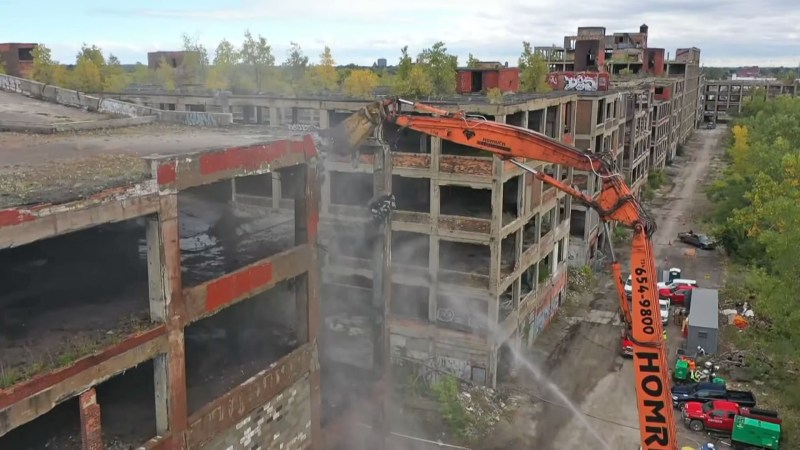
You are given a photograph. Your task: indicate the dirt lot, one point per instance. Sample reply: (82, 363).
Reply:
(579, 351)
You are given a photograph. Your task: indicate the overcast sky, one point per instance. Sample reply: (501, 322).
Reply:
(729, 32)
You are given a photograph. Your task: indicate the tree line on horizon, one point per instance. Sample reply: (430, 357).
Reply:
(252, 68)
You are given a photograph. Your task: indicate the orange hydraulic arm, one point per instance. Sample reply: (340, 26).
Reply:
(615, 203)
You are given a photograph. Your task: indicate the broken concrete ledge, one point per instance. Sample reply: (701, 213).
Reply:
(111, 106)
(52, 128)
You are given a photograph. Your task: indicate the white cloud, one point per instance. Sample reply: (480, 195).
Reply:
(360, 31)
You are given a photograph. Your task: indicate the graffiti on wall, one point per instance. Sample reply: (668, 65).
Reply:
(116, 107)
(580, 82)
(457, 367)
(8, 83)
(540, 318)
(199, 119)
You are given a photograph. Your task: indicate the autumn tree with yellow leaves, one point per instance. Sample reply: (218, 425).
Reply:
(757, 221)
(361, 83)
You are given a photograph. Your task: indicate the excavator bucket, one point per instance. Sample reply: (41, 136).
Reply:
(348, 136)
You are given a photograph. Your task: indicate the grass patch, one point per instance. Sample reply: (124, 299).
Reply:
(79, 346)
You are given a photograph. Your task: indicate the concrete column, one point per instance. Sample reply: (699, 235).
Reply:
(559, 123)
(433, 272)
(167, 306)
(433, 251)
(91, 429)
(381, 302)
(324, 118)
(525, 116)
(500, 118)
(543, 122)
(259, 115)
(274, 117)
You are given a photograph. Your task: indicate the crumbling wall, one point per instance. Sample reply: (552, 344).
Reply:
(283, 423)
(75, 99)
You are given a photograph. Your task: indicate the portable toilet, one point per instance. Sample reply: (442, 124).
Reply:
(674, 274)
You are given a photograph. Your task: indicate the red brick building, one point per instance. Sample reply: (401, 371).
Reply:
(17, 58)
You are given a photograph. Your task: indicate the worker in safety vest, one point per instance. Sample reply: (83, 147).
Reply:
(664, 334)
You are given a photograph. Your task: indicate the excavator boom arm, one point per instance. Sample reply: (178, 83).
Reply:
(615, 203)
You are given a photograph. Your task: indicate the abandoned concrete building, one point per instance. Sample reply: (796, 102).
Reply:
(144, 305)
(721, 99)
(476, 246)
(620, 77)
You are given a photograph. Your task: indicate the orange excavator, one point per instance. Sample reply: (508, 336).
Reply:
(615, 203)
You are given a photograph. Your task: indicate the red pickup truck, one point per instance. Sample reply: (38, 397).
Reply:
(676, 294)
(718, 415)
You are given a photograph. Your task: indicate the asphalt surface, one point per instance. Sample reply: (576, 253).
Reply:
(579, 351)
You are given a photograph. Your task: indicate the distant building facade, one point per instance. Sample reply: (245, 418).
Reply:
(17, 58)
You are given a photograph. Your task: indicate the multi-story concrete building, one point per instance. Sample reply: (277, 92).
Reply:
(142, 305)
(598, 66)
(478, 247)
(638, 126)
(722, 99)
(599, 129)
(17, 58)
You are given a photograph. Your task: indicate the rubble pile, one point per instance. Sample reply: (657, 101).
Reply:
(580, 279)
(484, 407)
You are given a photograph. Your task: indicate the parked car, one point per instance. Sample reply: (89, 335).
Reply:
(678, 282)
(711, 125)
(718, 415)
(701, 241)
(676, 295)
(625, 346)
(704, 392)
(664, 305)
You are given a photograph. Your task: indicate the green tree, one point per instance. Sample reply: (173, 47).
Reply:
(472, 61)
(361, 83)
(226, 54)
(756, 212)
(533, 70)
(441, 67)
(87, 76)
(715, 73)
(222, 75)
(322, 77)
(257, 54)
(2, 67)
(93, 53)
(296, 65)
(165, 74)
(115, 79)
(45, 69)
(143, 75)
(405, 64)
(417, 84)
(194, 66)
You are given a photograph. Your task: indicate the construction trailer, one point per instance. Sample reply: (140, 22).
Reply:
(703, 324)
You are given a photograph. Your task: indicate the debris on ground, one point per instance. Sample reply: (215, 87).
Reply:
(484, 407)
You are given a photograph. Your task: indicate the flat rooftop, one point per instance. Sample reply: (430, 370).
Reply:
(37, 168)
(17, 109)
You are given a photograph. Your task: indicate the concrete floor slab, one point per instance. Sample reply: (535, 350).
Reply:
(37, 168)
(17, 109)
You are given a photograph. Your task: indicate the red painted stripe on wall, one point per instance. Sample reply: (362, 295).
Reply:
(224, 290)
(9, 217)
(247, 158)
(167, 173)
